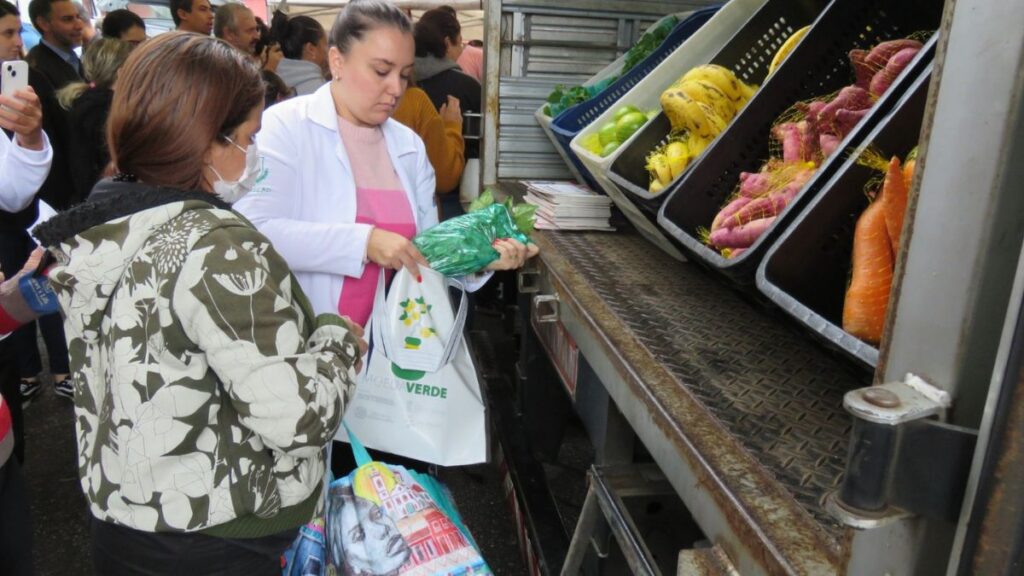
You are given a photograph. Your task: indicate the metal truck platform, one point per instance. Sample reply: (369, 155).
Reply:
(741, 411)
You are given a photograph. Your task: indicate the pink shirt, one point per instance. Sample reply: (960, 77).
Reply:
(472, 62)
(380, 201)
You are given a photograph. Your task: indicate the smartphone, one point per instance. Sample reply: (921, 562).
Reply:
(13, 77)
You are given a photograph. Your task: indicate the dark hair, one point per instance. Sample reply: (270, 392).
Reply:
(275, 89)
(8, 9)
(360, 16)
(176, 94)
(292, 34)
(433, 27)
(176, 5)
(476, 43)
(265, 39)
(41, 9)
(226, 18)
(118, 22)
(448, 9)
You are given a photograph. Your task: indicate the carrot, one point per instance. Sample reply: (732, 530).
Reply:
(867, 298)
(894, 202)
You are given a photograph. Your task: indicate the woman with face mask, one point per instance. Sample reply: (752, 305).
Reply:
(205, 386)
(345, 186)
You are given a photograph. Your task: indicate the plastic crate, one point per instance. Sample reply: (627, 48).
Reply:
(805, 272)
(819, 65)
(577, 168)
(748, 55)
(698, 49)
(568, 124)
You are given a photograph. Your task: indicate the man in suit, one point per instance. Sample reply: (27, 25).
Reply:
(61, 27)
(193, 16)
(54, 65)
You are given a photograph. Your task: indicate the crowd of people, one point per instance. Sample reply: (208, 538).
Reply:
(212, 276)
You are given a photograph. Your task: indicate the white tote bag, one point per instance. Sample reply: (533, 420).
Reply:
(418, 395)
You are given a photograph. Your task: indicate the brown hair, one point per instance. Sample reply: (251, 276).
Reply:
(361, 16)
(433, 27)
(174, 97)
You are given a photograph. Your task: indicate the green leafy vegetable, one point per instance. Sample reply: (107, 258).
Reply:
(648, 43)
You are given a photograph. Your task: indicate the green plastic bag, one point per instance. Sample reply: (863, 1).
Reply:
(463, 245)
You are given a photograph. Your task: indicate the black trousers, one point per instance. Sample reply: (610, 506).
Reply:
(117, 550)
(15, 247)
(15, 522)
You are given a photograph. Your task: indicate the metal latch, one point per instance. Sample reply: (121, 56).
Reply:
(904, 459)
(545, 300)
(528, 280)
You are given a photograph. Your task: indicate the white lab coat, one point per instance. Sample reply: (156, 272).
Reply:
(304, 200)
(22, 172)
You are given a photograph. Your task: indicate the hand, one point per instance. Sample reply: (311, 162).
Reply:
(271, 57)
(33, 260)
(23, 115)
(359, 333)
(393, 251)
(451, 111)
(513, 254)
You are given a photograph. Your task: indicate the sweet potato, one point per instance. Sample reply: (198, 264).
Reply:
(740, 236)
(799, 141)
(730, 209)
(829, 143)
(861, 70)
(884, 78)
(814, 110)
(789, 135)
(763, 207)
(771, 204)
(847, 120)
(879, 56)
(754, 185)
(849, 98)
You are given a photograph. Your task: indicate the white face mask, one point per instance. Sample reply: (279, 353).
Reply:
(231, 191)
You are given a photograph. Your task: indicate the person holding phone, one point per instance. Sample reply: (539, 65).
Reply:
(25, 159)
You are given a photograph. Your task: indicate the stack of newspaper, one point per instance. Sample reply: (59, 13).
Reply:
(568, 206)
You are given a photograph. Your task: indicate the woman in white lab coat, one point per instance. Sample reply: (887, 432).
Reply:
(343, 188)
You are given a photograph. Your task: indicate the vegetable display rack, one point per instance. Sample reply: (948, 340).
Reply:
(805, 272)
(568, 124)
(747, 54)
(819, 65)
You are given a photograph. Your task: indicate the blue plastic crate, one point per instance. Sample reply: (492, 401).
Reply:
(569, 123)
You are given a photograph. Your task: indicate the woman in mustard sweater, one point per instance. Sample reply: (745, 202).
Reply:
(441, 132)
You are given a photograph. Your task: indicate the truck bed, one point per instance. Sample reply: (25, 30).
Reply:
(751, 407)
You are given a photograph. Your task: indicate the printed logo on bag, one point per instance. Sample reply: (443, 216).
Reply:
(414, 315)
(412, 375)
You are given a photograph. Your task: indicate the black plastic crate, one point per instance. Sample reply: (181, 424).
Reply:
(805, 272)
(818, 66)
(748, 54)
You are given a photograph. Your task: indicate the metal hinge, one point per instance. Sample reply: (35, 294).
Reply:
(904, 459)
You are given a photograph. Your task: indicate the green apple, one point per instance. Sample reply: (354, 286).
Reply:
(607, 133)
(629, 124)
(623, 110)
(609, 148)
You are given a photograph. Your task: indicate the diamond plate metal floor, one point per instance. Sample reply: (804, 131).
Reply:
(772, 388)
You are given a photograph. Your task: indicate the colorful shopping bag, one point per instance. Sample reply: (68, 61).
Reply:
(382, 521)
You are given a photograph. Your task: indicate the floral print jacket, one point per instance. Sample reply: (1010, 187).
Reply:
(205, 389)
